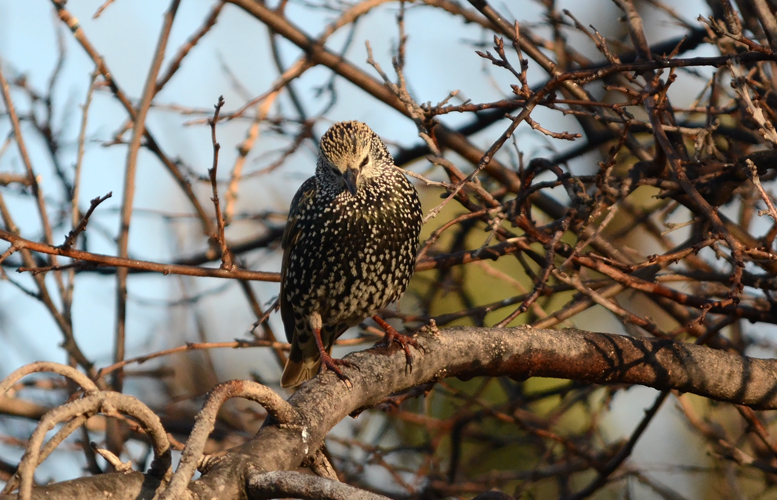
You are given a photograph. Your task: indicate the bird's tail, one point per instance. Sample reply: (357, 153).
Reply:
(297, 372)
(304, 359)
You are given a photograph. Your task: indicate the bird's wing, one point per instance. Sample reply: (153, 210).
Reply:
(291, 235)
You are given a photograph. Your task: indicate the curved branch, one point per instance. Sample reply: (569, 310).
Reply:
(206, 420)
(51, 445)
(46, 366)
(106, 402)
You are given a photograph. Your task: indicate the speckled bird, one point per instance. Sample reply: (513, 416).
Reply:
(349, 249)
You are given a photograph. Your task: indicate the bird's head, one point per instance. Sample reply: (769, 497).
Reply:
(350, 153)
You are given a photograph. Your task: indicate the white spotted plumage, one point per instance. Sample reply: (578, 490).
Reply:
(346, 254)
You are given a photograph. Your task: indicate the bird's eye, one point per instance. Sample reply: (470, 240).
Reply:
(364, 162)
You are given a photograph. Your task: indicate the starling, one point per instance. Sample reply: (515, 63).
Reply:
(349, 249)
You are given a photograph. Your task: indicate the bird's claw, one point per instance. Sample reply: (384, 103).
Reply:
(328, 362)
(392, 335)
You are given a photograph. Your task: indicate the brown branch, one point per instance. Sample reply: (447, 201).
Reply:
(69, 372)
(23, 408)
(245, 147)
(716, 306)
(67, 297)
(547, 268)
(106, 260)
(7, 178)
(194, 346)
(112, 459)
(226, 256)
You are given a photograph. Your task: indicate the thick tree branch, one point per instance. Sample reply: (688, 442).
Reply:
(465, 353)
(270, 485)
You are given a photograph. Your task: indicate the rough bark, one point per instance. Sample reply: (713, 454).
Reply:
(459, 352)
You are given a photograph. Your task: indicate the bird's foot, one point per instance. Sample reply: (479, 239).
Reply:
(392, 335)
(328, 362)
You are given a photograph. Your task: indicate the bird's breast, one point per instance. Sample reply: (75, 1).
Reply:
(354, 256)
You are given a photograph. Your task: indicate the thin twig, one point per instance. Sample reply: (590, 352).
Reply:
(73, 234)
(226, 256)
(129, 263)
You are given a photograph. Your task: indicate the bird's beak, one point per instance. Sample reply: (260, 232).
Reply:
(351, 176)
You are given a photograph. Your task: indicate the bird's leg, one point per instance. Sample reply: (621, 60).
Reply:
(394, 336)
(328, 361)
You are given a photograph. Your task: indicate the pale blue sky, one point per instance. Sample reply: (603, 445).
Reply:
(439, 60)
